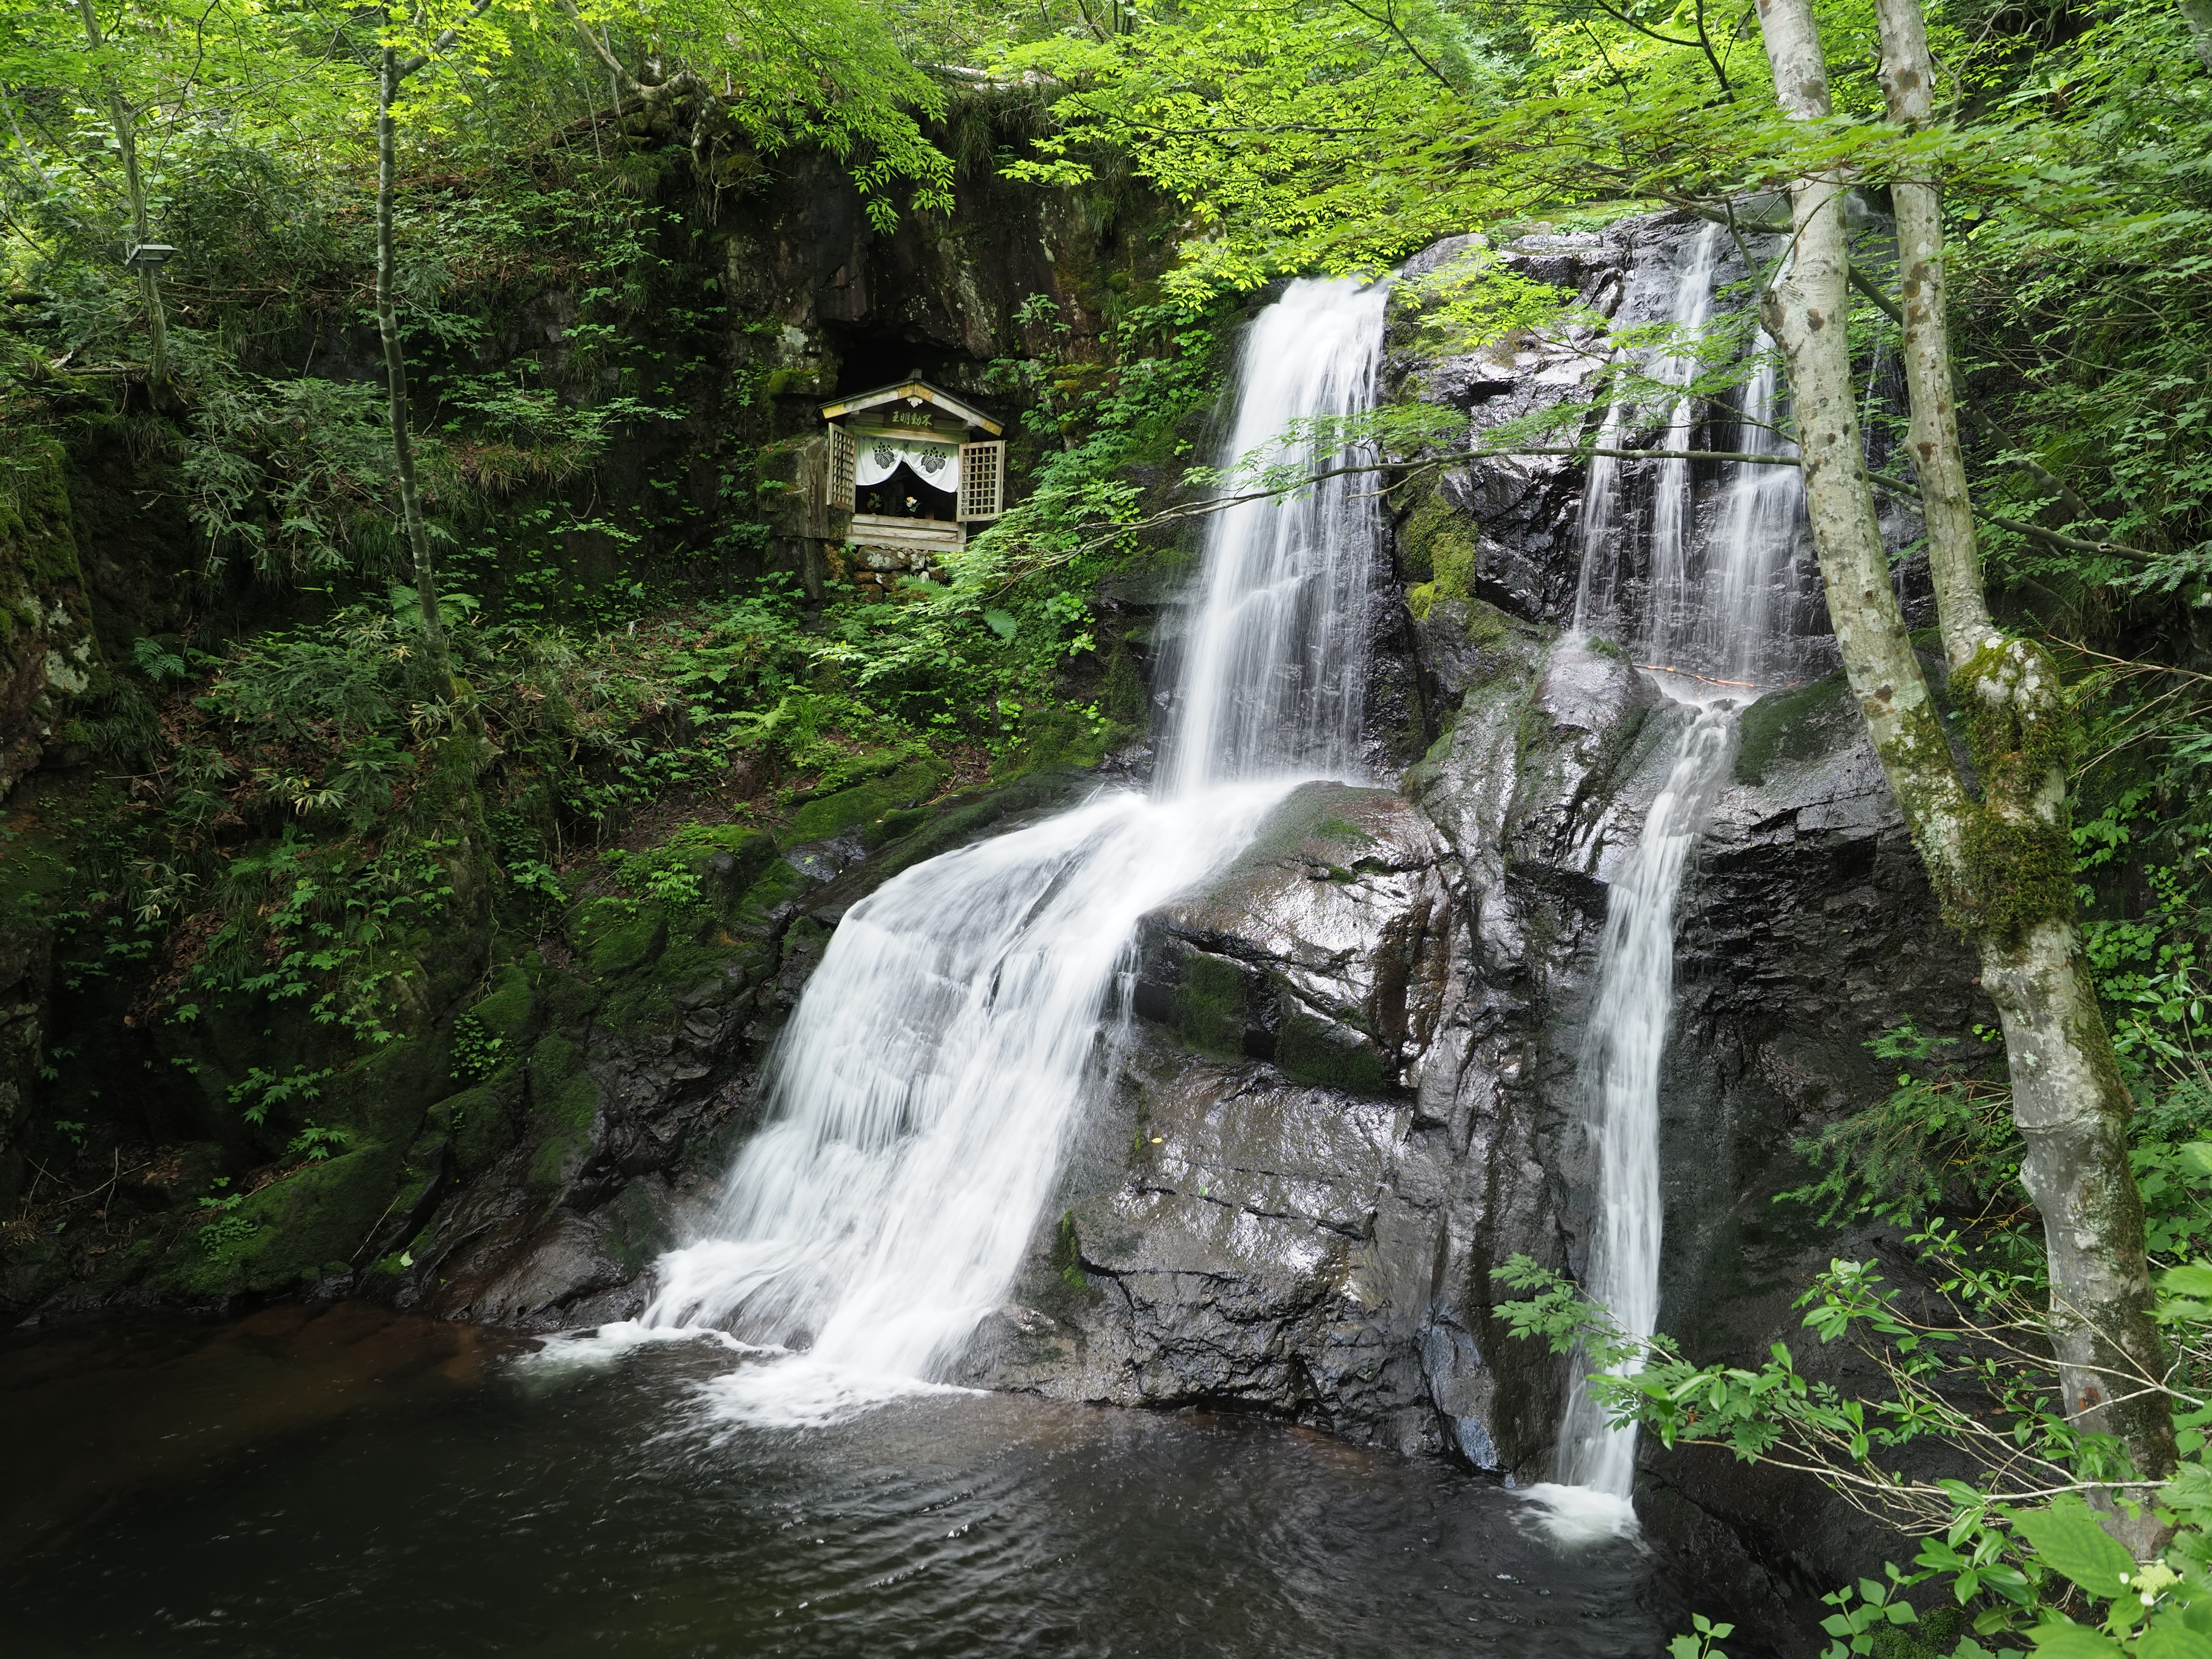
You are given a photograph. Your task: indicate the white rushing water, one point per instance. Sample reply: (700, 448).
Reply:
(1274, 659)
(921, 1098)
(1627, 1040)
(1720, 618)
(1676, 289)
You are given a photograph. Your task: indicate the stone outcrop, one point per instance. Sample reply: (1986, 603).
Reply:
(48, 654)
(1248, 1224)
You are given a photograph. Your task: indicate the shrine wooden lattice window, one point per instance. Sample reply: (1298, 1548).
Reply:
(982, 481)
(844, 461)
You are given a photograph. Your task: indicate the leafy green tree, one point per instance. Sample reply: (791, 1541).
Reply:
(121, 120)
(2001, 858)
(772, 74)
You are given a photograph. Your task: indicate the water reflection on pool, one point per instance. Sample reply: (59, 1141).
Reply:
(341, 1482)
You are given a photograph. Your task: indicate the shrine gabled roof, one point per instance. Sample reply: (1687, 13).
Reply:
(911, 392)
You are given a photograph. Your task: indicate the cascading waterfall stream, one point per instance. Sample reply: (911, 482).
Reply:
(920, 1099)
(1722, 625)
(1673, 503)
(1274, 664)
(1627, 1040)
(1681, 283)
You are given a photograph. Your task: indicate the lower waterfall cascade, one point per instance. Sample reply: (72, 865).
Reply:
(1715, 632)
(920, 1097)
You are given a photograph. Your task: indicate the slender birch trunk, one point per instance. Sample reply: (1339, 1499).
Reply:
(1953, 560)
(142, 231)
(391, 72)
(2001, 865)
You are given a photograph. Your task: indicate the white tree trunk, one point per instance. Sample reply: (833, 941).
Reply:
(390, 73)
(2002, 865)
(1954, 563)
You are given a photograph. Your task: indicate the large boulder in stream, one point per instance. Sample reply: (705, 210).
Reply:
(1234, 1230)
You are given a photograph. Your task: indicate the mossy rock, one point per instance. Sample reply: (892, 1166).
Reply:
(778, 884)
(553, 1062)
(506, 1012)
(1057, 737)
(384, 1095)
(479, 1125)
(1210, 1009)
(569, 1118)
(1800, 725)
(1318, 824)
(1310, 1049)
(567, 1106)
(49, 652)
(320, 1213)
(620, 935)
(864, 807)
(1153, 576)
(1437, 550)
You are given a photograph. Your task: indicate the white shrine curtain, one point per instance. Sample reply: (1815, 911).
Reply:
(935, 463)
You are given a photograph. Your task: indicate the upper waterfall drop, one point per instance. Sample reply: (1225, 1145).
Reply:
(1274, 659)
(919, 1100)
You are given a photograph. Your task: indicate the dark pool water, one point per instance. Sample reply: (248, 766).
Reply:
(341, 1482)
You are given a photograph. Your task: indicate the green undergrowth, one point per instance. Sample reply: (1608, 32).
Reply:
(306, 897)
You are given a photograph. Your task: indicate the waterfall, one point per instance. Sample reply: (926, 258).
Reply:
(1625, 1041)
(1718, 628)
(918, 1101)
(1676, 288)
(1274, 672)
(1757, 581)
(1673, 507)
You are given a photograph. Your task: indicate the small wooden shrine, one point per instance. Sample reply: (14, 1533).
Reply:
(914, 465)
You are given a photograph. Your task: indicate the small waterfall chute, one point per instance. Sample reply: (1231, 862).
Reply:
(1718, 624)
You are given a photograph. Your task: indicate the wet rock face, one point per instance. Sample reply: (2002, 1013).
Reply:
(1246, 1221)
(1243, 1227)
(1503, 530)
(1236, 1260)
(1325, 947)
(1247, 1226)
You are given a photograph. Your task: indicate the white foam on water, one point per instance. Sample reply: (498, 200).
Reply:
(1580, 1516)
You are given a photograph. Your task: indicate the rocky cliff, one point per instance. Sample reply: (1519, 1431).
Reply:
(1350, 1090)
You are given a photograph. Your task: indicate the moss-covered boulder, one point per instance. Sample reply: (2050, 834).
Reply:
(48, 654)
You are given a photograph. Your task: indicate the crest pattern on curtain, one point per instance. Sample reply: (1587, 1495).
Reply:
(937, 463)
